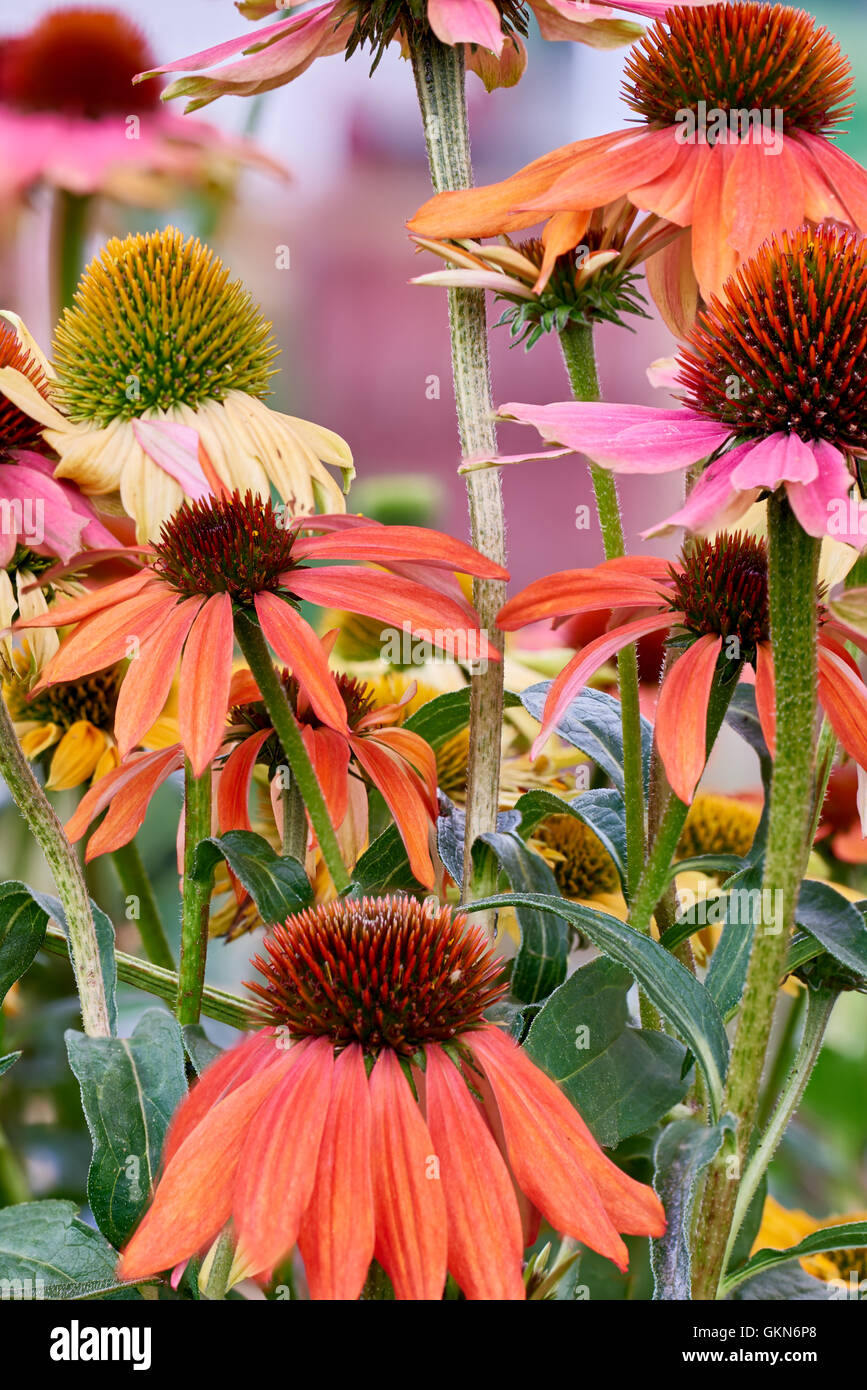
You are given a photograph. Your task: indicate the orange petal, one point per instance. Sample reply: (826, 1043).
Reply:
(278, 1165)
(75, 610)
(713, 255)
(233, 789)
(672, 284)
(409, 1207)
(608, 168)
(844, 699)
(193, 1199)
(404, 795)
(206, 673)
(295, 642)
(127, 795)
(578, 591)
(766, 695)
(563, 232)
(681, 715)
(337, 1230)
(106, 637)
(329, 753)
(485, 1243)
(149, 677)
(228, 1071)
(386, 545)
(556, 1159)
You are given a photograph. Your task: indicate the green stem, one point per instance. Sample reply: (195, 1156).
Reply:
(440, 83)
(779, 1067)
(67, 873)
(135, 884)
(294, 819)
(197, 898)
(793, 564)
(258, 658)
(221, 1267)
(820, 1006)
(580, 358)
(68, 233)
(132, 970)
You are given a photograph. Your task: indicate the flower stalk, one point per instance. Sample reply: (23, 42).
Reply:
(440, 82)
(67, 874)
(135, 884)
(580, 358)
(258, 658)
(196, 898)
(792, 578)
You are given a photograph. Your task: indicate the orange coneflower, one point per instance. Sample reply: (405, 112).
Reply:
(714, 604)
(220, 556)
(399, 763)
(378, 1115)
(738, 105)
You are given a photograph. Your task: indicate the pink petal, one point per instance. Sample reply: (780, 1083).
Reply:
(466, 21)
(175, 449)
(625, 438)
(779, 458)
(713, 501)
(825, 506)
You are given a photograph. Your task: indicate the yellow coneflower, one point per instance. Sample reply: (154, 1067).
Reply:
(782, 1228)
(719, 825)
(160, 333)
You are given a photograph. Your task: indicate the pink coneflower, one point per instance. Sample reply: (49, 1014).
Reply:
(348, 1124)
(714, 604)
(774, 381)
(489, 30)
(69, 116)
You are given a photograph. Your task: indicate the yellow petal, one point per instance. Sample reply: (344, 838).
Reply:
(39, 737)
(21, 392)
(109, 760)
(76, 756)
(28, 341)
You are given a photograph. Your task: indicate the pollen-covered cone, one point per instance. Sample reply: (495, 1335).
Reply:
(379, 1115)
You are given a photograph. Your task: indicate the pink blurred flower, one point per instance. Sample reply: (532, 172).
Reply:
(282, 51)
(70, 117)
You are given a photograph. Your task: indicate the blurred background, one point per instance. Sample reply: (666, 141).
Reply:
(359, 348)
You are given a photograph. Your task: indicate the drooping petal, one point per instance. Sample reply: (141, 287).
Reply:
(606, 169)
(672, 284)
(779, 458)
(295, 642)
(148, 678)
(403, 793)
(76, 610)
(823, 504)
(844, 699)
(681, 715)
(572, 679)
(107, 637)
(404, 605)
(713, 501)
(127, 791)
(485, 1243)
(337, 1234)
(233, 789)
(624, 438)
(555, 1158)
(278, 1164)
(467, 21)
(409, 1208)
(228, 1071)
(766, 694)
(175, 449)
(329, 752)
(713, 255)
(583, 591)
(764, 192)
(193, 1199)
(206, 672)
(563, 232)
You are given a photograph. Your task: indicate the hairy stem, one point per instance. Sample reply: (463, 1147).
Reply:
(135, 884)
(580, 358)
(258, 658)
(440, 75)
(793, 564)
(66, 871)
(197, 899)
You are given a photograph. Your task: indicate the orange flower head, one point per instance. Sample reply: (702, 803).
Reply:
(721, 590)
(225, 545)
(387, 973)
(378, 1114)
(17, 429)
(785, 349)
(79, 61)
(732, 58)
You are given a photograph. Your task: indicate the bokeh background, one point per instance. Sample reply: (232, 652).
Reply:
(359, 347)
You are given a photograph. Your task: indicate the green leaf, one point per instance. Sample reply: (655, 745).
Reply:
(707, 863)
(540, 964)
(835, 922)
(22, 927)
(277, 884)
(683, 1151)
(787, 1284)
(8, 1061)
(727, 972)
(439, 719)
(198, 1047)
(46, 1250)
(593, 724)
(681, 999)
(849, 1235)
(451, 833)
(601, 809)
(384, 866)
(130, 1088)
(622, 1079)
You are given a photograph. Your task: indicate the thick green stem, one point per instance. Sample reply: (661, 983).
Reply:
(440, 77)
(217, 1279)
(68, 232)
(197, 898)
(294, 841)
(132, 970)
(820, 1006)
(137, 886)
(258, 658)
(580, 358)
(793, 574)
(67, 873)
